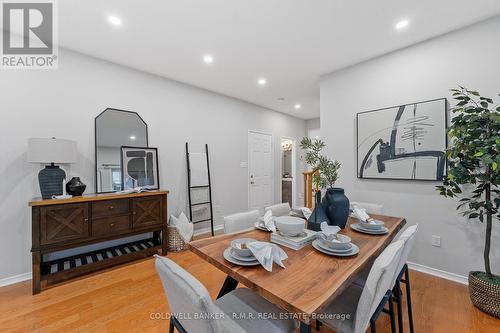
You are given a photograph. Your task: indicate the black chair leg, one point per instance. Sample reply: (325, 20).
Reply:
(373, 327)
(318, 325)
(392, 316)
(171, 326)
(408, 298)
(397, 296)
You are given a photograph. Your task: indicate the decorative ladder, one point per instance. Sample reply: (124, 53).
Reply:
(191, 188)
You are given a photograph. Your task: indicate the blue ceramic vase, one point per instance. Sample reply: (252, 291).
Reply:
(336, 206)
(318, 215)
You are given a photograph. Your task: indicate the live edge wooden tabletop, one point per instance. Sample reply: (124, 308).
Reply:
(311, 279)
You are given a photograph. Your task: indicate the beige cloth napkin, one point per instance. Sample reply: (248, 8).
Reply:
(328, 232)
(268, 221)
(361, 215)
(267, 253)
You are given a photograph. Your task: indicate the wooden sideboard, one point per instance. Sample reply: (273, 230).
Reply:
(79, 221)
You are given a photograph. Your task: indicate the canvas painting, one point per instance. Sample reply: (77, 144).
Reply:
(403, 142)
(140, 168)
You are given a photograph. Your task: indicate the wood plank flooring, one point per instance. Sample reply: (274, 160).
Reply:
(129, 298)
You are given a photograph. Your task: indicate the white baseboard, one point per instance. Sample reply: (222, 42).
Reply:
(439, 273)
(15, 279)
(207, 230)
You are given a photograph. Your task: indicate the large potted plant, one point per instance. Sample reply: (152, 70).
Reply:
(335, 203)
(473, 175)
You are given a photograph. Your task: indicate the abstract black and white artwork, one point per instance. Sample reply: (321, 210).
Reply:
(140, 168)
(403, 142)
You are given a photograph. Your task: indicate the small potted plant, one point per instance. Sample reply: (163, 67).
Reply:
(473, 175)
(334, 203)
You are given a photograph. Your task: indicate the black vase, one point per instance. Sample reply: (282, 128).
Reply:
(318, 215)
(75, 187)
(336, 206)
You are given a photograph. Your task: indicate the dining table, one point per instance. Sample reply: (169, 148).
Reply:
(310, 280)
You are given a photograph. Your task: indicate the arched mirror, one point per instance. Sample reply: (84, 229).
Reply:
(113, 129)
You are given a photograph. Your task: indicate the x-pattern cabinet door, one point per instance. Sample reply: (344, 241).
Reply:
(147, 212)
(64, 223)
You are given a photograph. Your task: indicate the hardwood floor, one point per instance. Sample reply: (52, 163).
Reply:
(126, 298)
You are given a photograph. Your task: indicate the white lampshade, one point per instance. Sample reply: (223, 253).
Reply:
(51, 150)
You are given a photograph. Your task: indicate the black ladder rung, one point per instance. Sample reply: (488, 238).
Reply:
(194, 222)
(199, 186)
(200, 203)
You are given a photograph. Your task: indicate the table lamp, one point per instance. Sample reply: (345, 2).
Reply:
(51, 151)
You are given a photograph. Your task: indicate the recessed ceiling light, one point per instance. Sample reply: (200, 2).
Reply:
(114, 20)
(132, 137)
(262, 82)
(281, 99)
(297, 106)
(208, 59)
(402, 24)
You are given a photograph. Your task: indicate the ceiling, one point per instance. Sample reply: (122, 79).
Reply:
(289, 42)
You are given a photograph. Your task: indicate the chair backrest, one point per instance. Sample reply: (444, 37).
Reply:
(282, 209)
(371, 208)
(240, 221)
(379, 280)
(187, 296)
(408, 236)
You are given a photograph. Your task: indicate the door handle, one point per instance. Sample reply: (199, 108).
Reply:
(252, 183)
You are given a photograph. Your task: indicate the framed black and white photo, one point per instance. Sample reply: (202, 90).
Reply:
(403, 142)
(140, 168)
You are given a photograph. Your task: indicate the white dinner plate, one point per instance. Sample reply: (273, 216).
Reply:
(227, 255)
(357, 227)
(326, 248)
(354, 250)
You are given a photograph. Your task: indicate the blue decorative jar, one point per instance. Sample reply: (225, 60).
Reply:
(336, 206)
(318, 215)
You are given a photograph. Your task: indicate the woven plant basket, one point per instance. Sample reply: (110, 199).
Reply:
(175, 242)
(484, 295)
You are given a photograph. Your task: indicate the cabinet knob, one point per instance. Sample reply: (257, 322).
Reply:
(111, 207)
(86, 219)
(134, 213)
(111, 224)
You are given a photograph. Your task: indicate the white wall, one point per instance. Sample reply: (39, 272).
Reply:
(313, 128)
(468, 57)
(64, 102)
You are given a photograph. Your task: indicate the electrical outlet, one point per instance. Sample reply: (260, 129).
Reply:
(436, 241)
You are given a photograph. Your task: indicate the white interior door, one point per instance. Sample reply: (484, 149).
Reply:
(260, 170)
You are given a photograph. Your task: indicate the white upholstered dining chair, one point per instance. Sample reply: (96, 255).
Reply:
(408, 236)
(240, 221)
(195, 312)
(282, 209)
(371, 208)
(364, 304)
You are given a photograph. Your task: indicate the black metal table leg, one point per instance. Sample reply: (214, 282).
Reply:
(229, 285)
(305, 328)
(391, 314)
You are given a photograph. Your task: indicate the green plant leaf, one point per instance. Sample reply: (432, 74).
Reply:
(478, 154)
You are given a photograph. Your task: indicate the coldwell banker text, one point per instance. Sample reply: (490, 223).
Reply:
(28, 35)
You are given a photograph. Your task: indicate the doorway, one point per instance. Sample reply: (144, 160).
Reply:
(260, 170)
(288, 165)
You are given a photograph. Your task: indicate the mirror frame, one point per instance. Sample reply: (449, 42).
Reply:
(95, 143)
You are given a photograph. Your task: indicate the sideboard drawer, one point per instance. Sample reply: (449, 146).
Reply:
(147, 212)
(63, 223)
(110, 226)
(110, 208)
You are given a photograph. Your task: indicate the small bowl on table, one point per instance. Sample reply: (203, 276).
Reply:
(372, 225)
(240, 248)
(289, 225)
(337, 243)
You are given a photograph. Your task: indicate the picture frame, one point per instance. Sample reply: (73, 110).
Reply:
(140, 168)
(403, 142)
